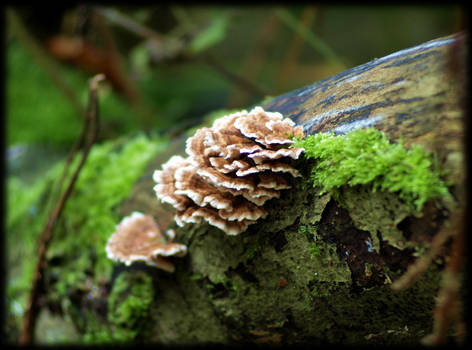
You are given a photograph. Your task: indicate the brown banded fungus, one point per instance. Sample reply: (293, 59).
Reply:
(231, 170)
(138, 238)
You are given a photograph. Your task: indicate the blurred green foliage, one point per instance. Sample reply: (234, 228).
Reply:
(183, 93)
(362, 33)
(36, 110)
(87, 222)
(211, 35)
(176, 82)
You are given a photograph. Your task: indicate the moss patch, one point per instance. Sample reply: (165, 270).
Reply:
(90, 216)
(365, 156)
(286, 281)
(127, 312)
(78, 266)
(25, 219)
(379, 213)
(129, 304)
(318, 268)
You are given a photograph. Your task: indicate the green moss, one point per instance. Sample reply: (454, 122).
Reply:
(318, 291)
(224, 252)
(25, 219)
(196, 277)
(365, 156)
(129, 304)
(310, 233)
(90, 216)
(128, 311)
(378, 213)
(315, 250)
(250, 252)
(87, 221)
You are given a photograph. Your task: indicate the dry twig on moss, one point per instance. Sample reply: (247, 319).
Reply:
(90, 128)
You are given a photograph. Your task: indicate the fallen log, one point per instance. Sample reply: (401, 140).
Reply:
(265, 286)
(319, 268)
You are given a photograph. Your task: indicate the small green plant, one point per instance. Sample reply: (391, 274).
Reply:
(251, 252)
(310, 233)
(315, 250)
(365, 156)
(196, 277)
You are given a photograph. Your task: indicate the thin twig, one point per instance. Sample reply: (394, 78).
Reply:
(126, 22)
(150, 34)
(90, 122)
(78, 144)
(188, 26)
(237, 79)
(420, 266)
(288, 66)
(313, 40)
(254, 60)
(448, 306)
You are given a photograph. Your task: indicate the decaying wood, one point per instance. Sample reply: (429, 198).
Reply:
(416, 95)
(276, 283)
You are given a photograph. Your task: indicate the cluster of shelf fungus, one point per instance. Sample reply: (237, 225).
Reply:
(232, 169)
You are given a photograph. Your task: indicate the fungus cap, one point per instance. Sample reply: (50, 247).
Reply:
(232, 170)
(138, 238)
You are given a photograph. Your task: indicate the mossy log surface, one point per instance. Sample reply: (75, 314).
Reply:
(310, 272)
(318, 269)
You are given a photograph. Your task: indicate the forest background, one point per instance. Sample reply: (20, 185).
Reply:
(168, 68)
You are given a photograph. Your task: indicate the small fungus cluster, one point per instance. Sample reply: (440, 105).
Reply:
(231, 170)
(138, 238)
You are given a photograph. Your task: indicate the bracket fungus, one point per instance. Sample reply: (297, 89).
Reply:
(138, 238)
(232, 169)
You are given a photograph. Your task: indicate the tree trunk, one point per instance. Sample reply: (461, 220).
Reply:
(316, 271)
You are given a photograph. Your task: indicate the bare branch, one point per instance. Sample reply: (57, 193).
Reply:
(90, 126)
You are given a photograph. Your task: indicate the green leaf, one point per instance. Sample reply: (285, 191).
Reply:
(211, 35)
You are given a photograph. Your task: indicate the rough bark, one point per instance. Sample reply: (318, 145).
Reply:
(308, 272)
